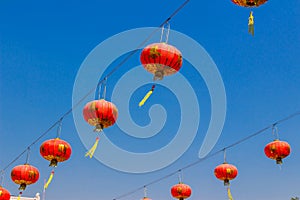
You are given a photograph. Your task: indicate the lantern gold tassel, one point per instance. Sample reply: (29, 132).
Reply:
(91, 152)
(142, 102)
(49, 180)
(229, 194)
(251, 24)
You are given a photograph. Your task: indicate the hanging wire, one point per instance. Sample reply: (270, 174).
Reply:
(100, 82)
(211, 155)
(111, 73)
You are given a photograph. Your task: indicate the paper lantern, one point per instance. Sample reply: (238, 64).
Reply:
(55, 150)
(4, 194)
(181, 191)
(277, 150)
(100, 113)
(226, 172)
(161, 59)
(24, 175)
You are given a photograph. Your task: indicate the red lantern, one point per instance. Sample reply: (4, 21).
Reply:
(181, 191)
(226, 172)
(277, 150)
(100, 113)
(24, 175)
(55, 150)
(161, 59)
(4, 194)
(249, 3)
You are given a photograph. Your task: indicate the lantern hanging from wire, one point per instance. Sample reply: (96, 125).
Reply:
(100, 114)
(277, 150)
(250, 4)
(160, 59)
(181, 191)
(55, 150)
(4, 194)
(226, 172)
(24, 175)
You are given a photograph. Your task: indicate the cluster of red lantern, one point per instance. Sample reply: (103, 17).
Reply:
(160, 59)
(53, 150)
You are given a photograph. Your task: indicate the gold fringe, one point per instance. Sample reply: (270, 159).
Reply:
(146, 97)
(251, 24)
(49, 180)
(229, 194)
(91, 152)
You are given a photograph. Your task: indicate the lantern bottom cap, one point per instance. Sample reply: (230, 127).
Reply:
(53, 163)
(22, 186)
(226, 182)
(279, 160)
(98, 128)
(159, 75)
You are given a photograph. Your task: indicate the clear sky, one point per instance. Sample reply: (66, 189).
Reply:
(43, 44)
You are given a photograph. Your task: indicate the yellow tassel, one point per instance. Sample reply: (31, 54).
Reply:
(251, 24)
(229, 194)
(146, 96)
(19, 196)
(91, 152)
(49, 180)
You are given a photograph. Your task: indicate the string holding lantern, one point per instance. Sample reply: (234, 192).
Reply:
(226, 172)
(181, 191)
(55, 150)
(250, 4)
(100, 114)
(160, 59)
(145, 194)
(277, 150)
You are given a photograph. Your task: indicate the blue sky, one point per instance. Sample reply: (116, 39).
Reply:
(42, 46)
